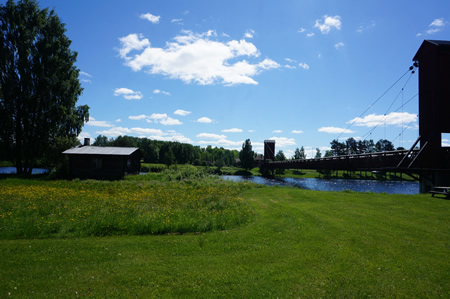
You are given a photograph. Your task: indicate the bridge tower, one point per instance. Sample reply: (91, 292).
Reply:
(433, 58)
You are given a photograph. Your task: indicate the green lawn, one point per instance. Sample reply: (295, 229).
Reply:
(299, 244)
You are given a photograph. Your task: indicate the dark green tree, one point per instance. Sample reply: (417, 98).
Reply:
(338, 148)
(246, 155)
(280, 156)
(318, 154)
(39, 84)
(351, 146)
(299, 154)
(101, 140)
(384, 145)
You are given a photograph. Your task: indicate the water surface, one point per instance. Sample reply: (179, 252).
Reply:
(13, 170)
(390, 187)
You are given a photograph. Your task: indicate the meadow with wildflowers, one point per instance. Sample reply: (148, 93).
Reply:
(42, 209)
(186, 234)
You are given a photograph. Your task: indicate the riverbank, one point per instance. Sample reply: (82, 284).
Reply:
(299, 243)
(291, 173)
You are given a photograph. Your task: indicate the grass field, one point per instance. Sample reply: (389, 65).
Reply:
(298, 243)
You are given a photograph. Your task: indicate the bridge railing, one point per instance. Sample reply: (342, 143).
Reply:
(350, 162)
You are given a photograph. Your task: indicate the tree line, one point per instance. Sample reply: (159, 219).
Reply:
(171, 152)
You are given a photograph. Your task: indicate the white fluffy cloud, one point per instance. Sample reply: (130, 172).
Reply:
(204, 120)
(161, 118)
(297, 131)
(197, 58)
(128, 94)
(303, 66)
(158, 91)
(182, 112)
(328, 23)
(132, 42)
(151, 18)
(339, 45)
(393, 118)
(98, 123)
(283, 141)
(277, 131)
(210, 136)
(117, 131)
(334, 130)
(233, 130)
(435, 26)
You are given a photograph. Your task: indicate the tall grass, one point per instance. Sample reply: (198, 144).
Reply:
(180, 204)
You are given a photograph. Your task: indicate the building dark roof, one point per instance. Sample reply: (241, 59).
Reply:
(440, 44)
(99, 150)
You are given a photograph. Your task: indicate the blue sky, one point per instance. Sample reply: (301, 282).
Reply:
(219, 72)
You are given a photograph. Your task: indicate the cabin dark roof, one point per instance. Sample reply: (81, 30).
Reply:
(441, 44)
(99, 150)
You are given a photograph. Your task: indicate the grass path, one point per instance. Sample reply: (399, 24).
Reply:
(301, 244)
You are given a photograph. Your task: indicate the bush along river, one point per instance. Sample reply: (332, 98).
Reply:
(390, 187)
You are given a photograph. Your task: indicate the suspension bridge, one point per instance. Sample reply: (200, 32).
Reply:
(427, 159)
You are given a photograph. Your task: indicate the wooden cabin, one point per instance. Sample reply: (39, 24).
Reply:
(97, 162)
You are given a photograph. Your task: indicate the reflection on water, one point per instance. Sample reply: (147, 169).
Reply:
(12, 170)
(390, 187)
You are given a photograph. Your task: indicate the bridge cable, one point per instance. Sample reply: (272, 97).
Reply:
(384, 118)
(370, 106)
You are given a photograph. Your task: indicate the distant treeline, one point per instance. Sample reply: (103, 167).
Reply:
(168, 152)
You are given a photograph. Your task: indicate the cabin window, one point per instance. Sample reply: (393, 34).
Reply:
(96, 163)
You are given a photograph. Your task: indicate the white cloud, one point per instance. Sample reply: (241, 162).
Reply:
(118, 120)
(328, 24)
(365, 27)
(151, 18)
(194, 57)
(137, 117)
(83, 135)
(311, 34)
(204, 120)
(437, 23)
(223, 143)
(161, 118)
(128, 94)
(233, 130)
(249, 34)
(277, 131)
(157, 91)
(132, 42)
(85, 74)
(169, 121)
(283, 141)
(393, 118)
(117, 131)
(297, 131)
(210, 136)
(435, 26)
(303, 66)
(339, 45)
(182, 112)
(98, 123)
(177, 21)
(334, 130)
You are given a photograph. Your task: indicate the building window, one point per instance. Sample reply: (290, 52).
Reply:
(96, 163)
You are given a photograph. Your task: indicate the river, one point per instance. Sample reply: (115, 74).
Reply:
(390, 187)
(12, 170)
